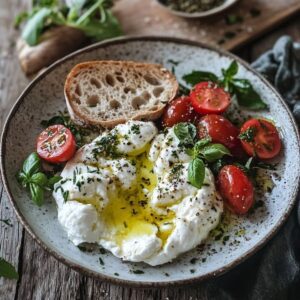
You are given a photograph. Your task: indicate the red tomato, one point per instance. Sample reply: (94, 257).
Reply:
(236, 189)
(208, 98)
(261, 138)
(56, 144)
(179, 110)
(221, 131)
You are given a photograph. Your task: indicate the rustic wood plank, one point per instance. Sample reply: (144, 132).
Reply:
(12, 81)
(10, 243)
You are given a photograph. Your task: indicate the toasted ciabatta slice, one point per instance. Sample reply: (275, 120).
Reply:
(107, 93)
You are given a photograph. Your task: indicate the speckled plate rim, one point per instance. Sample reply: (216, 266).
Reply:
(204, 14)
(130, 283)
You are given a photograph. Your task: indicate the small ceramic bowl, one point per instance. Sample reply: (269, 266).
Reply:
(200, 14)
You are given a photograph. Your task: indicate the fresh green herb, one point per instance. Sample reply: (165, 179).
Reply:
(32, 178)
(248, 135)
(186, 133)
(196, 172)
(198, 76)
(52, 181)
(213, 152)
(66, 196)
(107, 146)
(176, 171)
(246, 95)
(201, 150)
(202, 143)
(93, 17)
(242, 89)
(7, 270)
(232, 19)
(135, 129)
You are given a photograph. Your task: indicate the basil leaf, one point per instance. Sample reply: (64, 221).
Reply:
(200, 144)
(37, 193)
(214, 151)
(199, 76)
(196, 173)
(186, 133)
(22, 178)
(32, 164)
(53, 180)
(7, 270)
(98, 30)
(231, 71)
(39, 179)
(54, 121)
(246, 95)
(34, 26)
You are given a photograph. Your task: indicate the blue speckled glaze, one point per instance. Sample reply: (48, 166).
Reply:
(44, 98)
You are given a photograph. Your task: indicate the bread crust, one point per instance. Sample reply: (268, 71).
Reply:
(82, 119)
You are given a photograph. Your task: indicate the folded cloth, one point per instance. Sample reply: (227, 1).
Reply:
(281, 66)
(274, 272)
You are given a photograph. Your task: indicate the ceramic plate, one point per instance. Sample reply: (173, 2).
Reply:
(202, 14)
(44, 97)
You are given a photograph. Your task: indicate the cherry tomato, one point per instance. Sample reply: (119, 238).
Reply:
(179, 110)
(220, 130)
(56, 144)
(236, 189)
(260, 138)
(209, 98)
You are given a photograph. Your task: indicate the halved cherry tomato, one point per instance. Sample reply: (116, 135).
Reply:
(179, 110)
(209, 98)
(221, 131)
(56, 144)
(236, 189)
(260, 138)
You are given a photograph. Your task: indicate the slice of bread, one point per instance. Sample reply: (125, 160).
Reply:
(107, 93)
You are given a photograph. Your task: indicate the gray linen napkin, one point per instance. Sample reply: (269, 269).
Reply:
(274, 272)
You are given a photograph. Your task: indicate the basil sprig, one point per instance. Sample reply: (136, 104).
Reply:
(93, 17)
(7, 270)
(32, 178)
(242, 89)
(203, 151)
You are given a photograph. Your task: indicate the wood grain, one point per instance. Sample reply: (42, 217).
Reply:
(41, 276)
(147, 17)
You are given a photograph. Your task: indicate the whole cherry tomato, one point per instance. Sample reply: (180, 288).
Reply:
(236, 189)
(179, 110)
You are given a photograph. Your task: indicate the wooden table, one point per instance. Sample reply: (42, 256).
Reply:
(42, 276)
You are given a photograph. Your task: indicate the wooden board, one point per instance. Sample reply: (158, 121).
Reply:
(147, 17)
